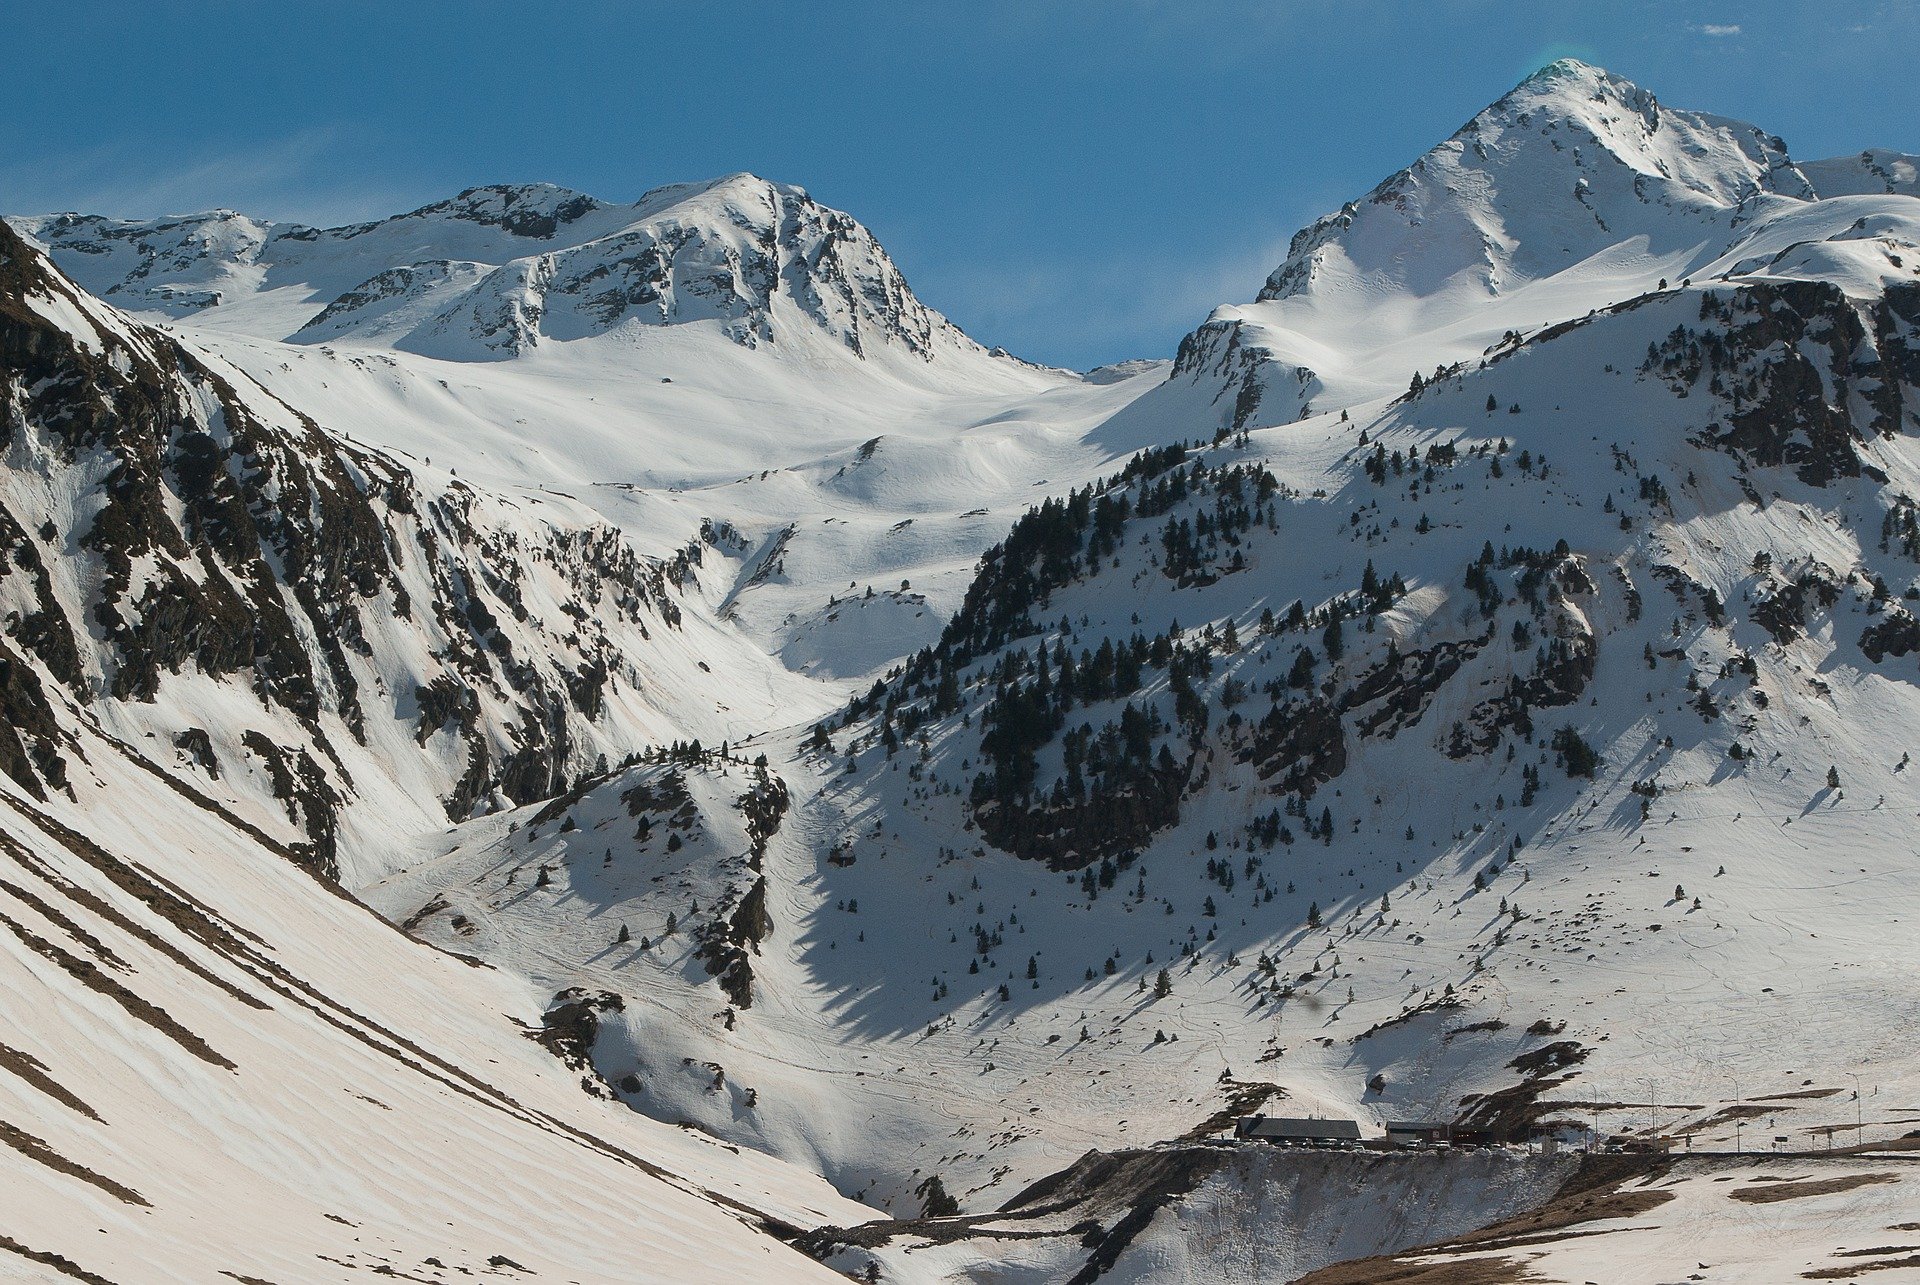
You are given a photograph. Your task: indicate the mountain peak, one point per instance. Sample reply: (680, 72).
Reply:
(759, 260)
(1572, 89)
(1570, 161)
(738, 181)
(1562, 72)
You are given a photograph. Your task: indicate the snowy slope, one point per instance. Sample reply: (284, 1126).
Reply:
(332, 642)
(1422, 975)
(224, 1067)
(857, 472)
(216, 619)
(728, 354)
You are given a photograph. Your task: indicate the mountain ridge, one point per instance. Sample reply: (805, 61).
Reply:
(524, 258)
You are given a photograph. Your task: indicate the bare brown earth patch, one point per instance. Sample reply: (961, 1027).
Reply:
(37, 1150)
(1773, 1191)
(65, 1266)
(1243, 1098)
(1848, 1271)
(1386, 1271)
(34, 1072)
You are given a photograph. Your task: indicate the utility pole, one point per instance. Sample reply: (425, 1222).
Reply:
(1856, 1108)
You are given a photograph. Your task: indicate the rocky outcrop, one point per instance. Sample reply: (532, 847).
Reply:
(740, 922)
(206, 530)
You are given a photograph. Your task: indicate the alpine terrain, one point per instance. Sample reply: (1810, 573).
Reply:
(549, 739)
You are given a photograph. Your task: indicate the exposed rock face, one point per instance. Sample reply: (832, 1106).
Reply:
(30, 736)
(1897, 635)
(1567, 670)
(1800, 374)
(569, 1028)
(1783, 612)
(1253, 387)
(161, 526)
(1300, 747)
(740, 921)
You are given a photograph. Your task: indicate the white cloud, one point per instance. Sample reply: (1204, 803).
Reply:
(1718, 28)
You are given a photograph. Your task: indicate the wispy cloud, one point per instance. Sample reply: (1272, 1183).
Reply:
(304, 176)
(1718, 28)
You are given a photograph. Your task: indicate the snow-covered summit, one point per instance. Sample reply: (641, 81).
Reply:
(1575, 191)
(494, 271)
(757, 259)
(1573, 160)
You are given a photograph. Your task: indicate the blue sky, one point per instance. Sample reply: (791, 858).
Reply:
(1079, 180)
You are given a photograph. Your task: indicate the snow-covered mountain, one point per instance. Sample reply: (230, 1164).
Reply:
(494, 271)
(1418, 811)
(241, 656)
(1468, 683)
(721, 357)
(1575, 191)
(320, 633)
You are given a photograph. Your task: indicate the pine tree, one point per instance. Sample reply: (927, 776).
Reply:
(938, 1204)
(1334, 639)
(1162, 985)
